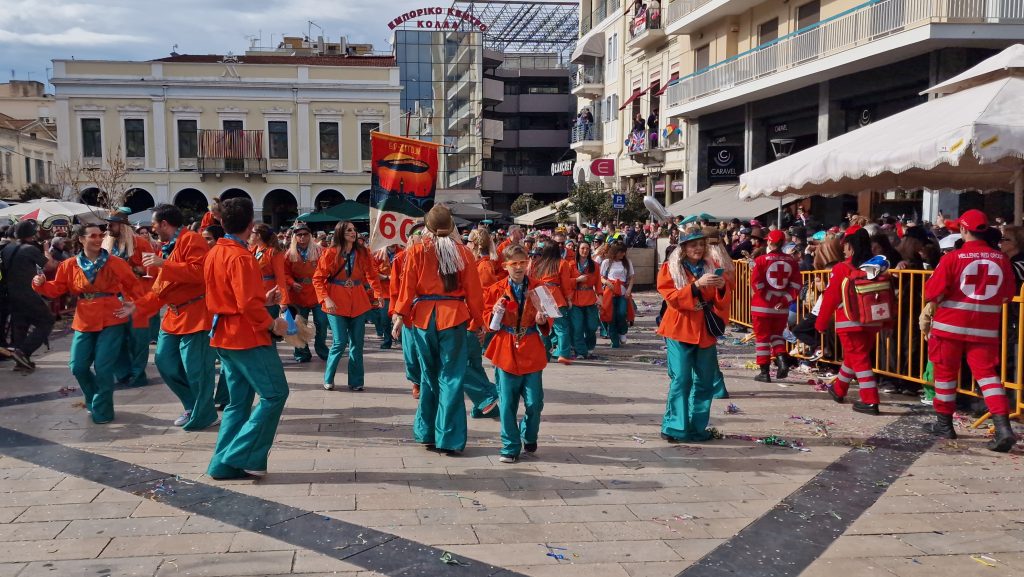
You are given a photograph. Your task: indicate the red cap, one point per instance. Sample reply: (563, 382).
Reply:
(973, 220)
(852, 229)
(776, 237)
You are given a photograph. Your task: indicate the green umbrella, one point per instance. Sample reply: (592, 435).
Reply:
(314, 217)
(349, 210)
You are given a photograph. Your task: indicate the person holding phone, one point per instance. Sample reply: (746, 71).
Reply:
(688, 283)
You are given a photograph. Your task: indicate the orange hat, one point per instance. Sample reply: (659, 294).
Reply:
(973, 220)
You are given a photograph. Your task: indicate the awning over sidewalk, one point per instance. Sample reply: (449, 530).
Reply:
(722, 201)
(593, 47)
(544, 215)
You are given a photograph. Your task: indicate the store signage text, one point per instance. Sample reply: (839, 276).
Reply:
(438, 18)
(602, 167)
(724, 162)
(562, 168)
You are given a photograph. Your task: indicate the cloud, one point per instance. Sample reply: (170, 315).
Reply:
(71, 37)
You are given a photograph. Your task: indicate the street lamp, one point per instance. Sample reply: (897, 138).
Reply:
(781, 147)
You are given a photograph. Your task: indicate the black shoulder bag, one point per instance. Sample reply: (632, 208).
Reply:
(714, 323)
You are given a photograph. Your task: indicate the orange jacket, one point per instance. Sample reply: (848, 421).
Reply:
(605, 310)
(96, 313)
(271, 261)
(584, 294)
(301, 272)
(143, 244)
(349, 292)
(489, 272)
(561, 283)
(420, 278)
(683, 321)
(234, 292)
(384, 268)
(529, 354)
(397, 278)
(180, 285)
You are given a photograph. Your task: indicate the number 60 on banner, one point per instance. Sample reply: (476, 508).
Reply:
(390, 228)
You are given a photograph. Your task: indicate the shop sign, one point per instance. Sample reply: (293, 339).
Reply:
(780, 128)
(438, 18)
(676, 186)
(659, 186)
(602, 167)
(563, 168)
(724, 162)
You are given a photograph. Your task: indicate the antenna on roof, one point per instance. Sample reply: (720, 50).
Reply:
(174, 50)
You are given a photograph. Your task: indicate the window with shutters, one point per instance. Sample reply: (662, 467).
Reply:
(702, 57)
(808, 14)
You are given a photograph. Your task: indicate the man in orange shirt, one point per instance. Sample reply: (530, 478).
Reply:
(241, 337)
(183, 355)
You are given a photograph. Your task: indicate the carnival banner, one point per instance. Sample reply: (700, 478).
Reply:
(403, 167)
(392, 220)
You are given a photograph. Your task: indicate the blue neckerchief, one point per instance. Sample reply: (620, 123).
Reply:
(90, 268)
(391, 256)
(350, 262)
(697, 270)
(169, 247)
(259, 254)
(582, 265)
(114, 250)
(519, 294)
(237, 239)
(302, 252)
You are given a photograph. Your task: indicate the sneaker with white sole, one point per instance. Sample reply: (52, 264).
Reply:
(816, 355)
(507, 459)
(328, 386)
(623, 340)
(254, 473)
(184, 418)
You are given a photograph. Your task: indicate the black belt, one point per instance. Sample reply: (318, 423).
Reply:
(93, 296)
(177, 307)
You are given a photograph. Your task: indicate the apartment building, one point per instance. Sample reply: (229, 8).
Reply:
(739, 83)
(287, 128)
(28, 149)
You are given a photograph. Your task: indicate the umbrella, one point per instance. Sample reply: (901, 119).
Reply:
(970, 139)
(314, 217)
(42, 209)
(141, 217)
(349, 210)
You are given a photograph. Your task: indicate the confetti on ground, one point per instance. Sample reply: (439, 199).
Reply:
(981, 559)
(65, 391)
(639, 440)
(820, 425)
(449, 559)
(733, 409)
(751, 366)
(836, 515)
(78, 405)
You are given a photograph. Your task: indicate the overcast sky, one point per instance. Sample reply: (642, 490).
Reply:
(33, 32)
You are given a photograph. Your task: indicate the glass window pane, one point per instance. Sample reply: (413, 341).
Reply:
(188, 141)
(329, 141)
(278, 139)
(365, 129)
(92, 144)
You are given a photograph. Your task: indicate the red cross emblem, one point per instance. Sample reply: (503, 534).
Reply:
(778, 274)
(981, 279)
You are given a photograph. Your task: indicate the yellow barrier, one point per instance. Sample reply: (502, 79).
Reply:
(901, 352)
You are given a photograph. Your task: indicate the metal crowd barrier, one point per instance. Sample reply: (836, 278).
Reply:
(902, 352)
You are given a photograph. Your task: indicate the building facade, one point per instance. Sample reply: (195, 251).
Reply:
(739, 83)
(291, 132)
(28, 150)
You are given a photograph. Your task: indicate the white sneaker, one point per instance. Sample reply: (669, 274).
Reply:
(623, 340)
(214, 424)
(817, 355)
(925, 401)
(507, 459)
(262, 473)
(184, 418)
(328, 386)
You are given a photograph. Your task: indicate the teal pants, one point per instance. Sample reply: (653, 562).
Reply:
(560, 339)
(154, 328)
(246, 434)
(413, 371)
(618, 326)
(383, 324)
(584, 329)
(186, 363)
(320, 327)
(511, 388)
(441, 414)
(691, 372)
(480, 390)
(97, 350)
(348, 332)
(134, 356)
(221, 395)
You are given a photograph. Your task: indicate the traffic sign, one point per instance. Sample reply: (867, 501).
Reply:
(618, 201)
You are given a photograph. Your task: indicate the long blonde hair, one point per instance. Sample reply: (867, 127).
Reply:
(126, 241)
(312, 253)
(482, 243)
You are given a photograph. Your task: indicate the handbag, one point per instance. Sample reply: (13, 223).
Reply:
(714, 323)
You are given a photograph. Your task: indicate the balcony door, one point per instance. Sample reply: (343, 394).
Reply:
(232, 132)
(767, 57)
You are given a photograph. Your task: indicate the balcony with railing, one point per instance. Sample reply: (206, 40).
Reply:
(588, 81)
(586, 137)
(645, 30)
(688, 16)
(855, 34)
(602, 11)
(231, 151)
(642, 147)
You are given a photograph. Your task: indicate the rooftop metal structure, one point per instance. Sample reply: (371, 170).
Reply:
(523, 26)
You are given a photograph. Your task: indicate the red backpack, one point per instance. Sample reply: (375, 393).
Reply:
(869, 301)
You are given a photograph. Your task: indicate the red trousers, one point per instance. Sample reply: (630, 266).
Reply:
(768, 337)
(857, 364)
(946, 353)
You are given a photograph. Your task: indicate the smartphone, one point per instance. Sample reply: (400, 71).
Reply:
(719, 271)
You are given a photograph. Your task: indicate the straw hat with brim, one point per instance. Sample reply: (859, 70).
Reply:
(439, 221)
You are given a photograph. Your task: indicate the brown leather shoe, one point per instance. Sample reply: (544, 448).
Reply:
(415, 391)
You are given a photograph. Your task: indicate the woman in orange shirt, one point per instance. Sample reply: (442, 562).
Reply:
(518, 354)
(342, 277)
(555, 273)
(263, 246)
(688, 283)
(440, 297)
(101, 318)
(583, 313)
(300, 263)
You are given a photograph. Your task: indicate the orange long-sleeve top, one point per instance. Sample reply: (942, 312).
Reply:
(584, 294)
(528, 355)
(271, 261)
(397, 277)
(683, 321)
(301, 272)
(180, 285)
(143, 244)
(93, 312)
(561, 283)
(234, 293)
(489, 271)
(384, 265)
(208, 219)
(420, 278)
(348, 291)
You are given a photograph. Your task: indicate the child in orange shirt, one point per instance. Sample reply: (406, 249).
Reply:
(518, 353)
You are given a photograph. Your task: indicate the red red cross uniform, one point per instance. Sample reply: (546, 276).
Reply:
(775, 280)
(970, 286)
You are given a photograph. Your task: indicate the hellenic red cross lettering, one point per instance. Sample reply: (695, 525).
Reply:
(981, 279)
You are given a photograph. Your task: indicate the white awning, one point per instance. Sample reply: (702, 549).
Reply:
(543, 215)
(722, 202)
(592, 47)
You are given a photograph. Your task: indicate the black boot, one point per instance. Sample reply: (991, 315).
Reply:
(942, 427)
(1005, 438)
(765, 376)
(866, 408)
(782, 363)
